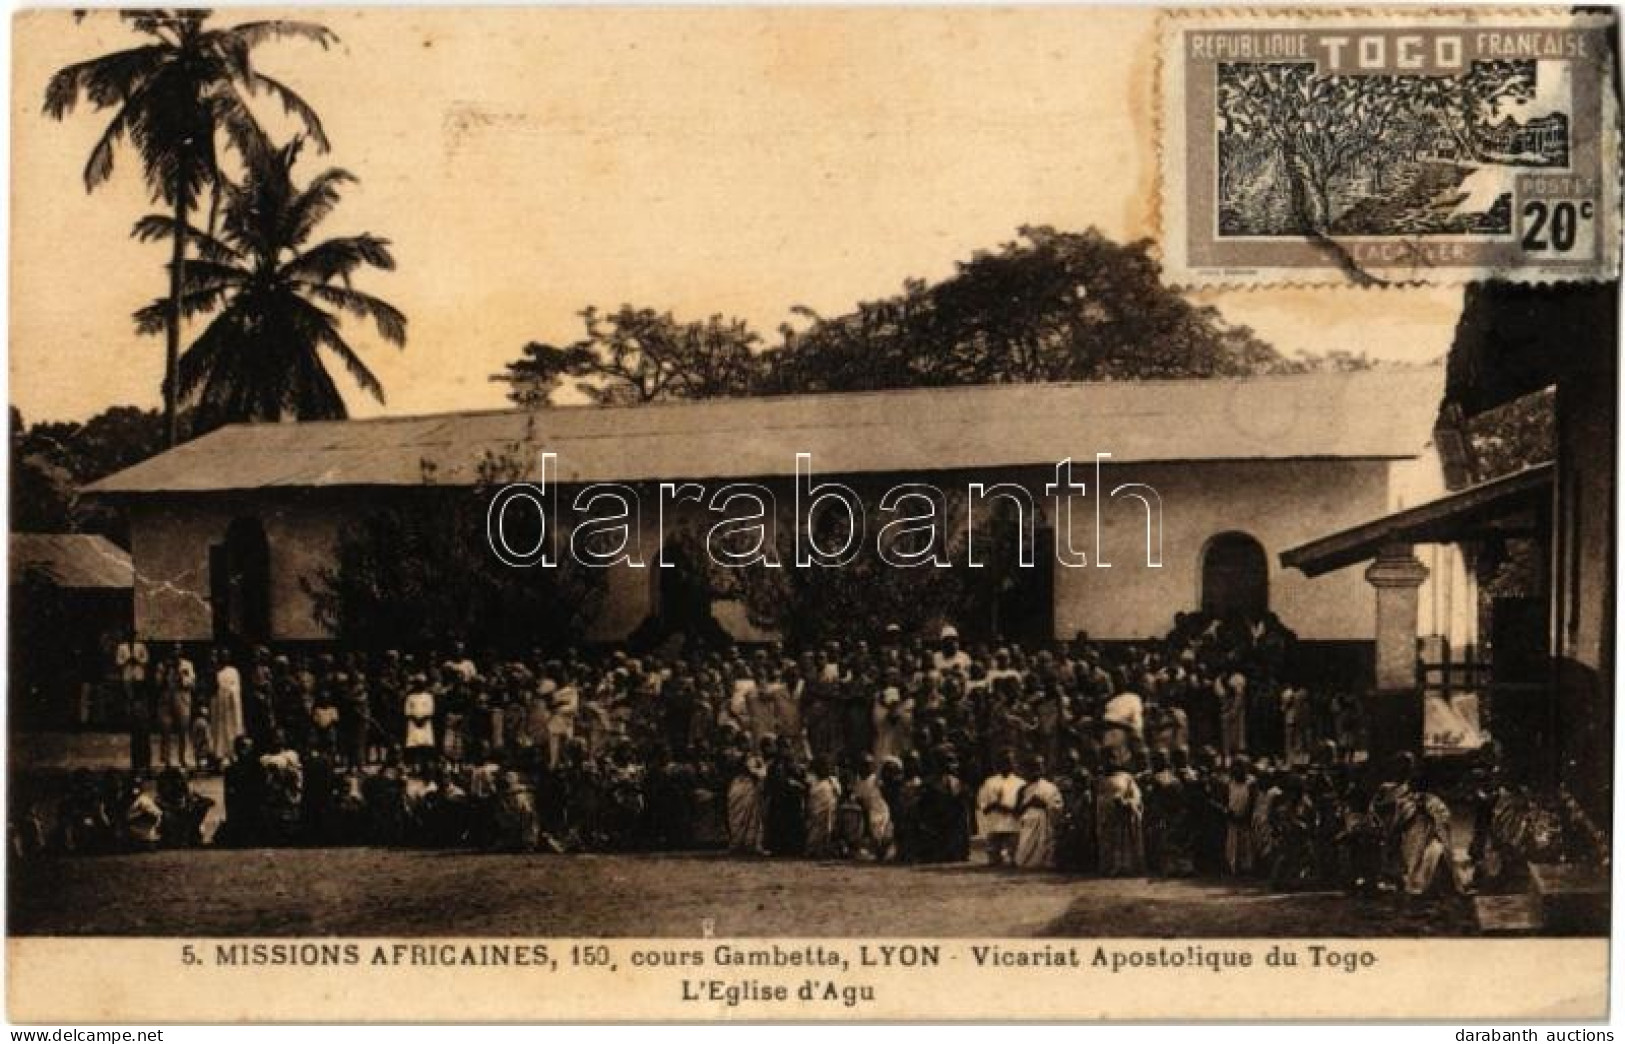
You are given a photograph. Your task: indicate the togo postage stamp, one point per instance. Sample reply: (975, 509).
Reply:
(1388, 146)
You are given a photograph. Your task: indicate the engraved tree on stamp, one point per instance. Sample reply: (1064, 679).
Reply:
(1303, 153)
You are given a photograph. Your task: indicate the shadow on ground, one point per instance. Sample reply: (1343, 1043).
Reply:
(402, 892)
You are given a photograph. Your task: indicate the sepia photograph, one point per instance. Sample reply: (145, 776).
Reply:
(792, 513)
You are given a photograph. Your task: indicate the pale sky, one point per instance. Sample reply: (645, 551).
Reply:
(526, 163)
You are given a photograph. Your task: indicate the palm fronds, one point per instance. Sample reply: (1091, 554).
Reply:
(277, 304)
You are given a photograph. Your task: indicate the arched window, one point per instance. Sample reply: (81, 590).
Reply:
(1235, 576)
(240, 583)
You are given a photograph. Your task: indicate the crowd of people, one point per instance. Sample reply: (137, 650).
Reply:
(1186, 755)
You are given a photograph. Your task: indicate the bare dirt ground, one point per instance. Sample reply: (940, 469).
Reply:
(395, 892)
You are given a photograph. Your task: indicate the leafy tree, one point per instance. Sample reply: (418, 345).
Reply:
(1335, 360)
(1502, 441)
(1320, 125)
(806, 605)
(41, 488)
(1321, 129)
(172, 97)
(414, 576)
(638, 355)
(275, 298)
(1515, 435)
(1050, 306)
(52, 460)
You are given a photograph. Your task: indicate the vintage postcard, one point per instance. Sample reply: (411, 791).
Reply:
(1388, 145)
(769, 513)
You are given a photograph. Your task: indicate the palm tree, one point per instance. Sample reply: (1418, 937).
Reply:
(276, 300)
(172, 97)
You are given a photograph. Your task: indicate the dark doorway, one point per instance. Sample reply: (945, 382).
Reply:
(1521, 711)
(1024, 605)
(681, 615)
(1235, 577)
(240, 583)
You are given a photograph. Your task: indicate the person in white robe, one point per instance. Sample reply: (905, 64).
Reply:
(1124, 719)
(1416, 835)
(762, 709)
(1041, 806)
(996, 805)
(877, 819)
(1296, 734)
(537, 713)
(418, 709)
(1427, 858)
(823, 806)
(787, 690)
(227, 717)
(1120, 820)
(893, 717)
(745, 807)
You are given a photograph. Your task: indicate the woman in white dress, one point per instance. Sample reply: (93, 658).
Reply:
(226, 716)
(419, 713)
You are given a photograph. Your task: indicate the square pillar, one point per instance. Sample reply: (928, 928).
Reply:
(1396, 703)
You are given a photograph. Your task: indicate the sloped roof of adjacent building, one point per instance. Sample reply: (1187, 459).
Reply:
(1505, 506)
(1375, 414)
(72, 560)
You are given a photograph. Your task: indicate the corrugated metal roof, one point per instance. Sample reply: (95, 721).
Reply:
(1467, 514)
(1374, 414)
(76, 560)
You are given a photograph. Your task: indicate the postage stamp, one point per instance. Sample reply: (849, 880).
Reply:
(1388, 146)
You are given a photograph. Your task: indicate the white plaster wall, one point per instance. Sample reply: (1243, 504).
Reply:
(169, 545)
(1278, 503)
(170, 542)
(1447, 601)
(1416, 481)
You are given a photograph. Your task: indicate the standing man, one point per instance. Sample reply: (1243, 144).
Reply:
(998, 803)
(949, 656)
(177, 679)
(131, 660)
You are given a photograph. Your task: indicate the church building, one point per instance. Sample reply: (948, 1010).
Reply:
(227, 530)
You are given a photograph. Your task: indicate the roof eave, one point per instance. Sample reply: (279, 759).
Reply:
(101, 490)
(1443, 520)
